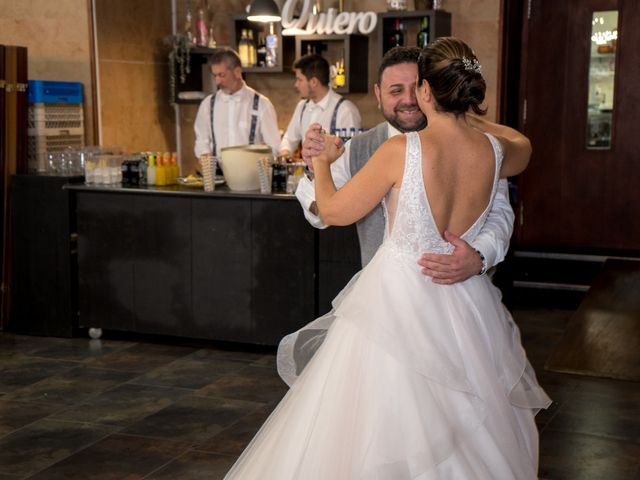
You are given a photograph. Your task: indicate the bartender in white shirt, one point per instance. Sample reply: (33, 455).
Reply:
(320, 103)
(236, 114)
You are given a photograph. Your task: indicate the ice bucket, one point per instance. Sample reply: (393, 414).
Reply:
(240, 165)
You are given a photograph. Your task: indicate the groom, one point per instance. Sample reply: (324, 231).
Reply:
(395, 92)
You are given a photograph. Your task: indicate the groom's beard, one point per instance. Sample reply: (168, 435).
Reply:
(406, 117)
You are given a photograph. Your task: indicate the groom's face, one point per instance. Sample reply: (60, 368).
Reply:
(396, 96)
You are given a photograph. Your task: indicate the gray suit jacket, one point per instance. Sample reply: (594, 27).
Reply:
(371, 227)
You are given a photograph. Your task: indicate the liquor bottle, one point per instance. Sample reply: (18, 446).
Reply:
(202, 29)
(188, 27)
(272, 47)
(253, 57)
(397, 36)
(243, 49)
(261, 50)
(212, 39)
(423, 34)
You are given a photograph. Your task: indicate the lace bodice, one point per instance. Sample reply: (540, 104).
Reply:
(411, 228)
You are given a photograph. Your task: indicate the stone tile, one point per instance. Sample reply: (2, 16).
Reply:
(192, 419)
(4, 476)
(71, 387)
(19, 371)
(195, 466)
(11, 344)
(234, 439)
(268, 361)
(571, 456)
(114, 457)
(80, 349)
(193, 371)
(141, 357)
(234, 355)
(604, 415)
(44, 443)
(14, 415)
(123, 405)
(252, 383)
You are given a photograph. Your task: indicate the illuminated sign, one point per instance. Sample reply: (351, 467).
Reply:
(331, 22)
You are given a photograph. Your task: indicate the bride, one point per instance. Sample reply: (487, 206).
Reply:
(406, 379)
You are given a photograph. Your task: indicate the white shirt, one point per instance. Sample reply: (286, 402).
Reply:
(232, 121)
(492, 241)
(348, 116)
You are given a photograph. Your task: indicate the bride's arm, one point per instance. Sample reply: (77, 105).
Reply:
(365, 190)
(516, 147)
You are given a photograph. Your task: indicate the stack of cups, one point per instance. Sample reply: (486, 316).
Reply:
(208, 163)
(264, 174)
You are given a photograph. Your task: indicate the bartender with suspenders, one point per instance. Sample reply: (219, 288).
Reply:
(236, 114)
(320, 104)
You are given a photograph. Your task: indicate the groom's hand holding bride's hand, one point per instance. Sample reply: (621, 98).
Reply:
(332, 149)
(447, 269)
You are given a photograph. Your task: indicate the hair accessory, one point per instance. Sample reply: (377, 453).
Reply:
(472, 65)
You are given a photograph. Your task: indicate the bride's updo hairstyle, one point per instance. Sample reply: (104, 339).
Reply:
(454, 75)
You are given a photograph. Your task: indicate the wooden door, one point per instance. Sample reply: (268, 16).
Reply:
(573, 198)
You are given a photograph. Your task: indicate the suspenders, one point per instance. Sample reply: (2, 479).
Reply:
(334, 116)
(254, 120)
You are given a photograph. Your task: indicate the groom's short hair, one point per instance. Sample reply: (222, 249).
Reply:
(396, 56)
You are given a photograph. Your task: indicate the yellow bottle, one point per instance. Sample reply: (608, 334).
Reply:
(166, 158)
(175, 170)
(161, 171)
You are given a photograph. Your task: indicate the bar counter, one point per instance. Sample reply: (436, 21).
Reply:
(222, 265)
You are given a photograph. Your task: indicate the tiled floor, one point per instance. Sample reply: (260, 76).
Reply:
(114, 409)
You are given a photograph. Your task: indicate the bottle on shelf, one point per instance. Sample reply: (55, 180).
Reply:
(261, 50)
(340, 79)
(397, 36)
(188, 27)
(253, 57)
(202, 29)
(423, 34)
(243, 48)
(212, 39)
(272, 47)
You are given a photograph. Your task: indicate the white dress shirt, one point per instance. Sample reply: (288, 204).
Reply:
(492, 241)
(348, 116)
(232, 121)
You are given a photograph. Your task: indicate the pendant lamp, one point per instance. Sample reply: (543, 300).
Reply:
(264, 11)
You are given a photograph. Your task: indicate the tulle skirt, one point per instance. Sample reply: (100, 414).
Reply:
(403, 379)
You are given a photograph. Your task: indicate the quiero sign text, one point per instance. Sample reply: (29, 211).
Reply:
(328, 23)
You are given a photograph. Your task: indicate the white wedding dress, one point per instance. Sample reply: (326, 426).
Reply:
(404, 379)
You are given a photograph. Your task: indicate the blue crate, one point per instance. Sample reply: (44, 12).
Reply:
(47, 91)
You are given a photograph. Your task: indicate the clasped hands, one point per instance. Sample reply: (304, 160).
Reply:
(320, 147)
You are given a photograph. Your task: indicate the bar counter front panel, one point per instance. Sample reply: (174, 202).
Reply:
(242, 267)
